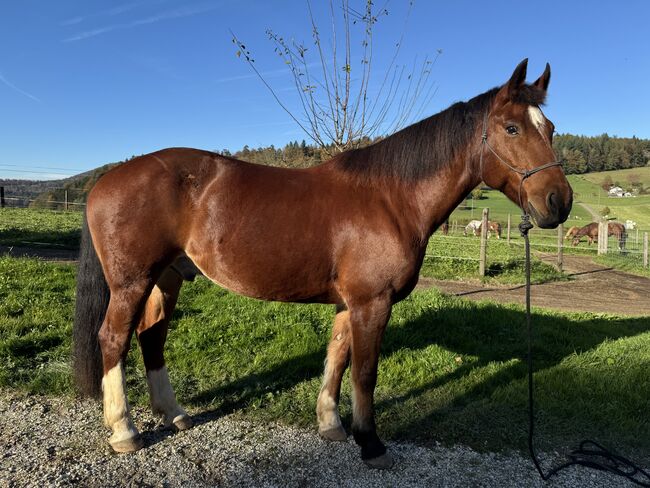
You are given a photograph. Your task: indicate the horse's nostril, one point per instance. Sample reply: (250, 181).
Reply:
(551, 202)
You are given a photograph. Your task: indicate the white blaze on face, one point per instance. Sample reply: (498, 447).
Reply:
(537, 118)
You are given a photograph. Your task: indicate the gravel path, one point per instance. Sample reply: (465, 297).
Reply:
(60, 442)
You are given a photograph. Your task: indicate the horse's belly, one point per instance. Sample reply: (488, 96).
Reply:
(278, 276)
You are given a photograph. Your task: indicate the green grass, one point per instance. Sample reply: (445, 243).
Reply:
(628, 263)
(40, 228)
(451, 370)
(36, 303)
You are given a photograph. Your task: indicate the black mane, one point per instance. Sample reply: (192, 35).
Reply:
(420, 149)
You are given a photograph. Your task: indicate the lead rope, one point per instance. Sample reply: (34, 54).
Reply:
(589, 454)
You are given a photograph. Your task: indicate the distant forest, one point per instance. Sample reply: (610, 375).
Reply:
(580, 154)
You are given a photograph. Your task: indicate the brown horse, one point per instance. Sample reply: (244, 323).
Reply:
(444, 227)
(591, 232)
(495, 227)
(571, 233)
(617, 230)
(351, 232)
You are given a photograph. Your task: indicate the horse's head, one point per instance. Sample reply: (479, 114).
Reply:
(517, 140)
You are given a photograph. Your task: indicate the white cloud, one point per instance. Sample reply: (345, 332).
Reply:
(15, 88)
(169, 14)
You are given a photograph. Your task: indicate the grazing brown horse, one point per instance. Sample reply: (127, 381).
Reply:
(591, 232)
(617, 230)
(495, 227)
(444, 227)
(571, 233)
(351, 232)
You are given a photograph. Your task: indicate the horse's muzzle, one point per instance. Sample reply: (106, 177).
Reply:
(557, 210)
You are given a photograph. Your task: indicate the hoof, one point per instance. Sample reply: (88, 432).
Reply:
(336, 434)
(385, 461)
(183, 422)
(130, 444)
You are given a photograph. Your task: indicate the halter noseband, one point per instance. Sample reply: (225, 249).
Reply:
(525, 173)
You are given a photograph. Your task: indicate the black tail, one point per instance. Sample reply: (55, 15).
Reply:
(91, 304)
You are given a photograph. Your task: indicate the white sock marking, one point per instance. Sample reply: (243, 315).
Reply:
(116, 406)
(163, 400)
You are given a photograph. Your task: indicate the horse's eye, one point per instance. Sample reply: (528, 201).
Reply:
(512, 130)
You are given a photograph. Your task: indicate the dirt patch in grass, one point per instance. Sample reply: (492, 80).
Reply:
(592, 288)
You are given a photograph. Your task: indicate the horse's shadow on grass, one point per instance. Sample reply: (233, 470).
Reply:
(68, 240)
(490, 334)
(570, 396)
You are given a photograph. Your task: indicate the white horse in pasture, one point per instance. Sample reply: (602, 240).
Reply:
(474, 227)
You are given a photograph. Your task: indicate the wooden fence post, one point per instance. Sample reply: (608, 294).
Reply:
(484, 234)
(602, 237)
(645, 249)
(560, 247)
(508, 229)
(636, 241)
(2, 197)
(65, 200)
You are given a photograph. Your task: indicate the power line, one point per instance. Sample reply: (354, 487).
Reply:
(66, 175)
(41, 167)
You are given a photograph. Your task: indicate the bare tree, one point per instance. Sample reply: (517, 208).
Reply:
(339, 107)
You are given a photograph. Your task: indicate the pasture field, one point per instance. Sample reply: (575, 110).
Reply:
(39, 228)
(588, 190)
(451, 370)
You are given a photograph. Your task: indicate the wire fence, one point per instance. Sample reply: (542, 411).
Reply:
(52, 198)
(460, 245)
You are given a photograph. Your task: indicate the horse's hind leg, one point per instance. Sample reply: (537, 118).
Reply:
(114, 338)
(152, 333)
(338, 357)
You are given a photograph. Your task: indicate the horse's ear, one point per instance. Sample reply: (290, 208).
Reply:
(517, 79)
(509, 91)
(543, 81)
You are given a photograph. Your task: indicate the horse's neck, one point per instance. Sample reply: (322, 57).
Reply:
(434, 198)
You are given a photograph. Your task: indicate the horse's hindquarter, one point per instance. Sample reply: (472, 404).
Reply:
(295, 235)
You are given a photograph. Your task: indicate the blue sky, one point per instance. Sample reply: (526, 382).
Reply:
(83, 83)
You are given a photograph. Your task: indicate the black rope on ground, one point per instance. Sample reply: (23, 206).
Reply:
(589, 454)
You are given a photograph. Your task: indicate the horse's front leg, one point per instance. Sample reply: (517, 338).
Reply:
(367, 322)
(338, 357)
